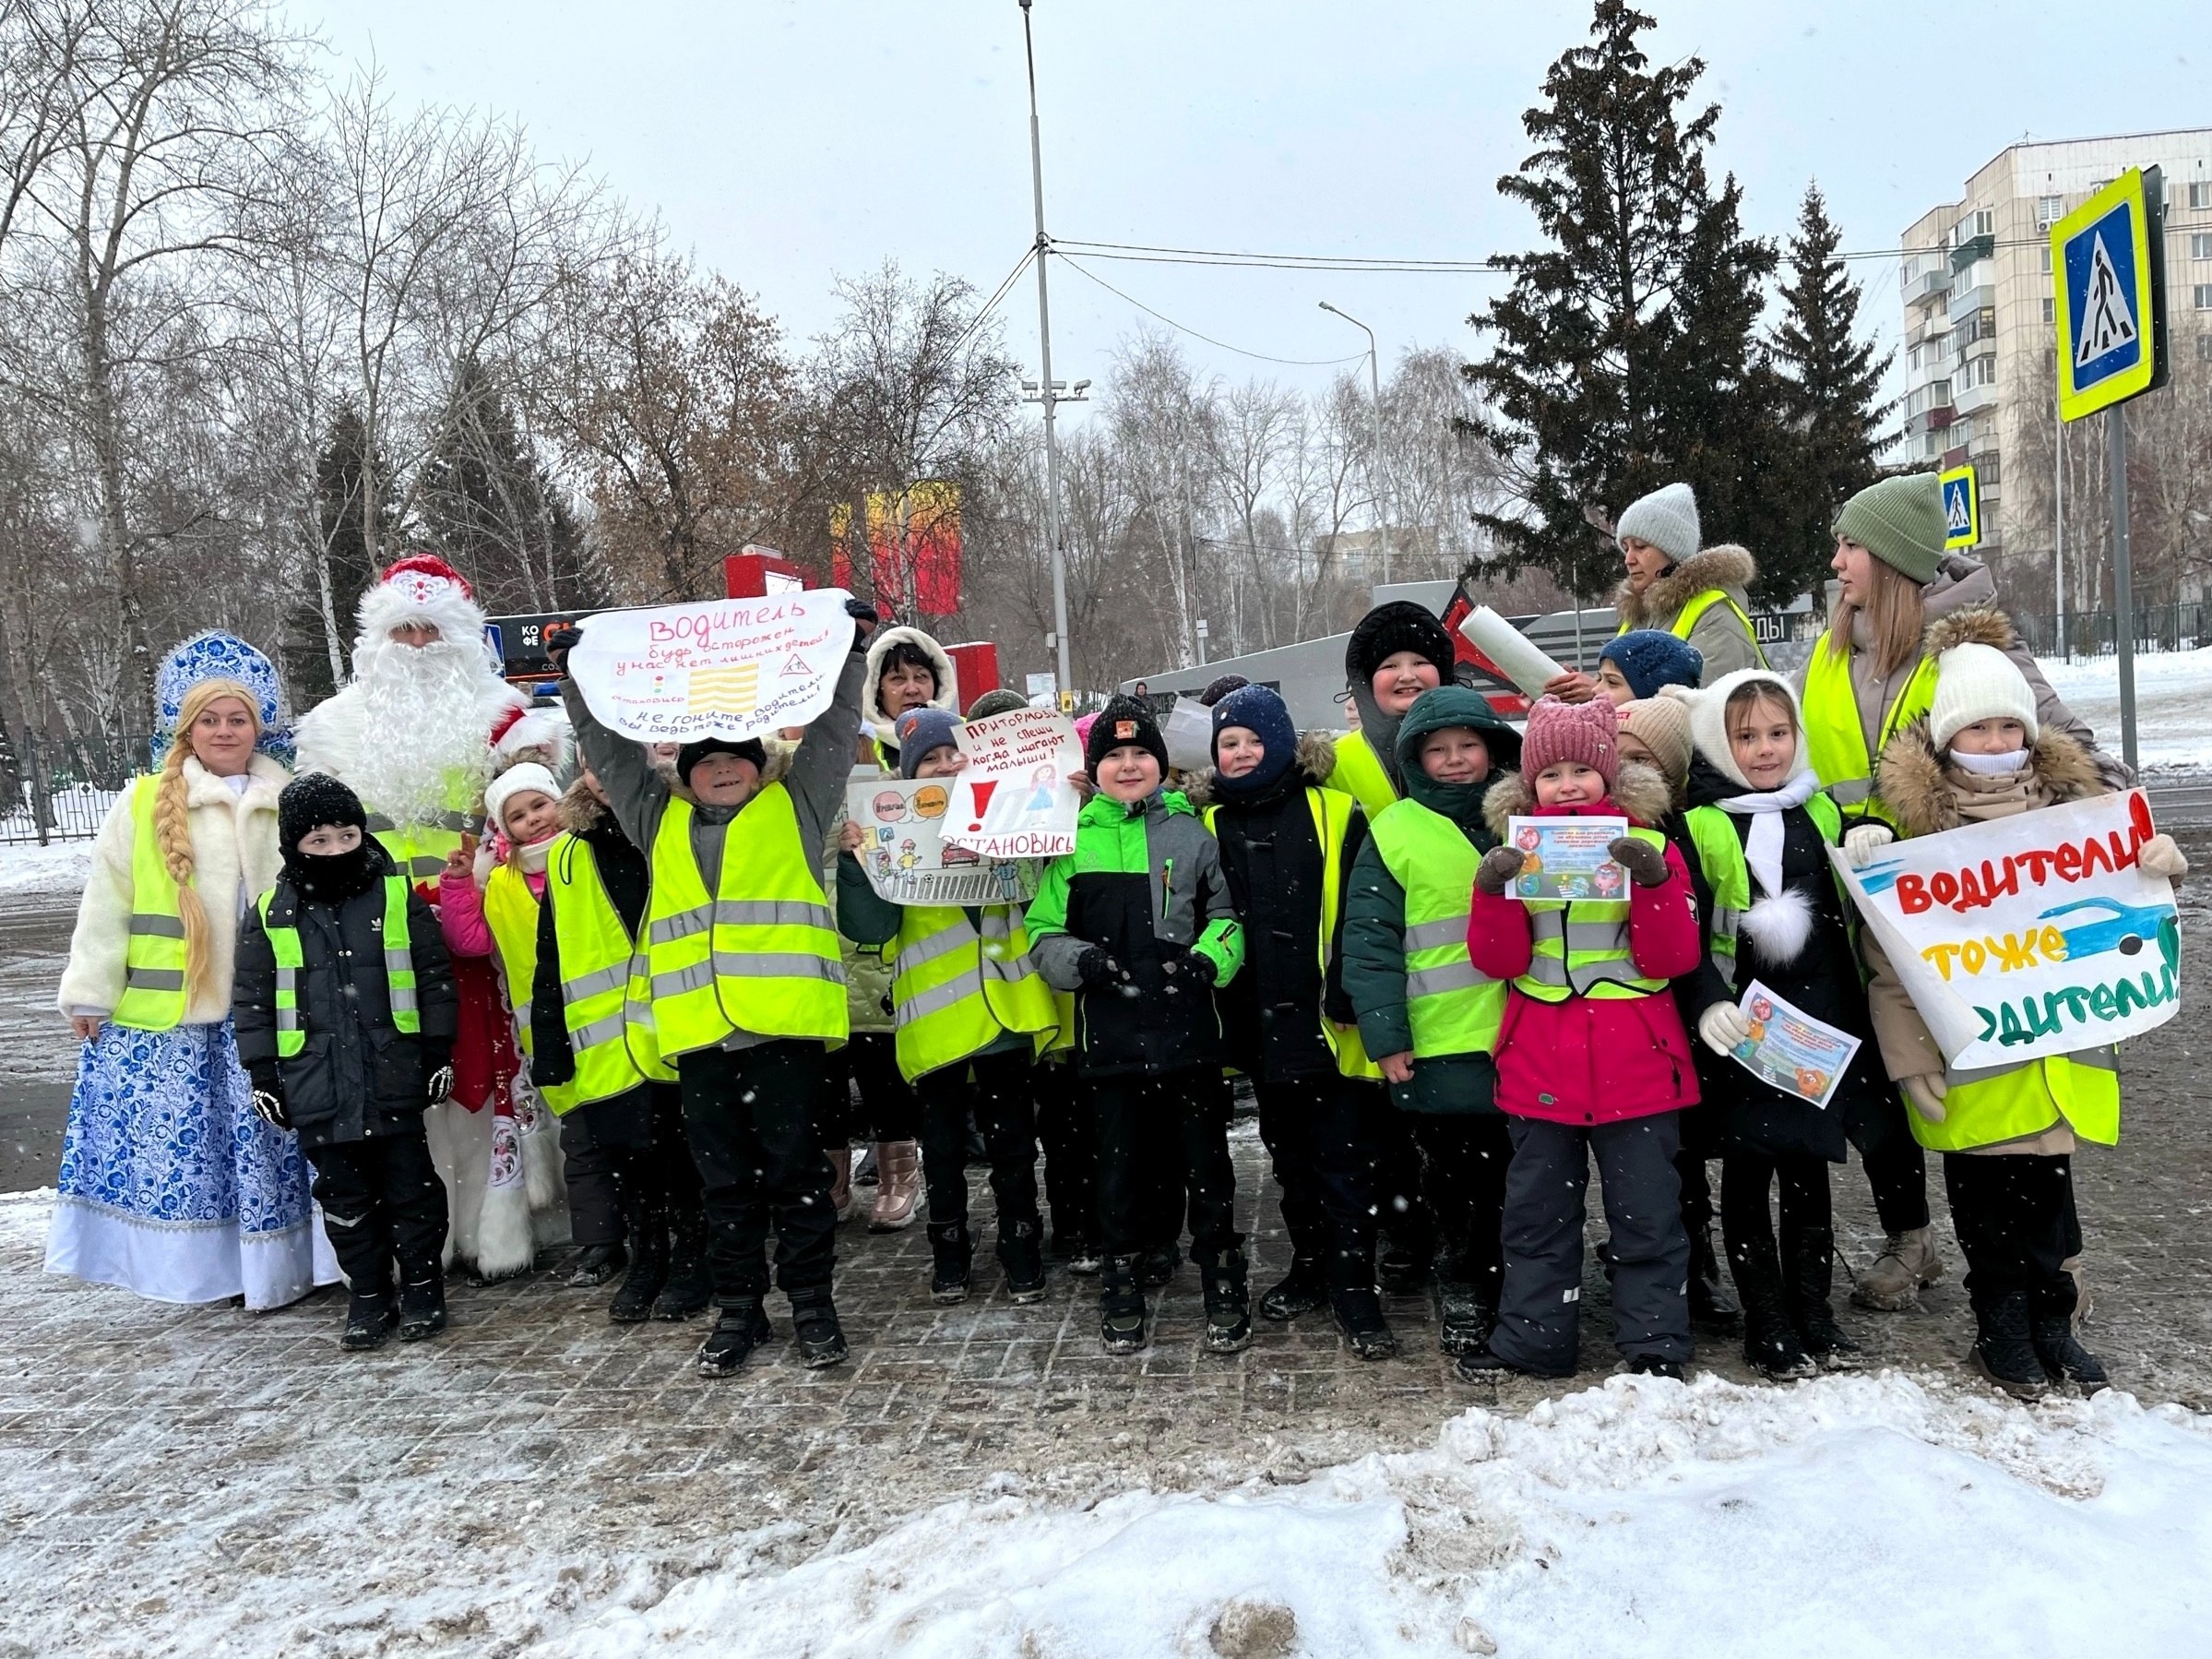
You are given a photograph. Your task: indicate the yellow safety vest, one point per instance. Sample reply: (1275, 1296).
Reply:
(1836, 742)
(1581, 947)
(1983, 1108)
(398, 969)
(1451, 1006)
(1331, 808)
(1728, 872)
(761, 954)
(1691, 613)
(956, 989)
(1359, 773)
(153, 956)
(605, 998)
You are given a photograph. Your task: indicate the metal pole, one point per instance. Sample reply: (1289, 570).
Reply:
(1044, 352)
(2058, 526)
(1375, 461)
(2123, 583)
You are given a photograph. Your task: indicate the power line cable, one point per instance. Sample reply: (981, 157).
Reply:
(1156, 254)
(997, 294)
(1301, 362)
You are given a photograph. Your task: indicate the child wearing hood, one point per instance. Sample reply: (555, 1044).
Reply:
(1770, 909)
(1592, 1059)
(2007, 1137)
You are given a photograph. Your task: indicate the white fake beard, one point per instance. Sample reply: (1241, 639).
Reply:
(1780, 926)
(422, 721)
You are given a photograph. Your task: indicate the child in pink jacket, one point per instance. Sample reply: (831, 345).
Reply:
(1592, 1058)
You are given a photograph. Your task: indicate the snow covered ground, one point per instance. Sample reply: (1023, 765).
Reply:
(2173, 703)
(1854, 1515)
(60, 866)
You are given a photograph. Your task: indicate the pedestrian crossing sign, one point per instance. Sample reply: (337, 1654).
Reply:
(1962, 507)
(2107, 264)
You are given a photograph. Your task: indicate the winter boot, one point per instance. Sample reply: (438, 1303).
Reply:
(1080, 1252)
(1486, 1365)
(1653, 1364)
(2051, 1330)
(597, 1264)
(840, 1181)
(1121, 1306)
(1228, 1307)
(1808, 1278)
(423, 1307)
(633, 1303)
(1021, 1254)
(1302, 1290)
(369, 1318)
(1463, 1318)
(1360, 1316)
(740, 1327)
(1405, 1262)
(814, 1323)
(1158, 1265)
(1907, 1266)
(952, 1252)
(1771, 1345)
(1711, 1308)
(898, 1185)
(689, 1287)
(2004, 1349)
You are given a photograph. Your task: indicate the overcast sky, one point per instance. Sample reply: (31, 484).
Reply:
(787, 142)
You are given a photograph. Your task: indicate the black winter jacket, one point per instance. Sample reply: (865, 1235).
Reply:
(357, 1077)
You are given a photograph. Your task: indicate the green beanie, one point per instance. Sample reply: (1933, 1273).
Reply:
(1900, 521)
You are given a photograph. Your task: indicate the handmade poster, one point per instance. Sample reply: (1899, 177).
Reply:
(2030, 935)
(1566, 858)
(1509, 651)
(906, 856)
(1789, 1048)
(1013, 799)
(732, 668)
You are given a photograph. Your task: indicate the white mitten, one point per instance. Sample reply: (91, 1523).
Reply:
(2160, 857)
(1723, 1028)
(1861, 844)
(1926, 1093)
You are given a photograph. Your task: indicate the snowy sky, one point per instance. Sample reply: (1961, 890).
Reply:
(786, 141)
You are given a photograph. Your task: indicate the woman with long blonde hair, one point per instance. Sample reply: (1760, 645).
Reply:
(169, 1184)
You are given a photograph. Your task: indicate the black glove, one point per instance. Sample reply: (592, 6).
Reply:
(559, 641)
(861, 612)
(437, 1065)
(1098, 971)
(268, 1093)
(1645, 865)
(1498, 868)
(1199, 966)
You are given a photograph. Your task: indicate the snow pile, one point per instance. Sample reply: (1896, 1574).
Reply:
(2171, 690)
(62, 866)
(1849, 1515)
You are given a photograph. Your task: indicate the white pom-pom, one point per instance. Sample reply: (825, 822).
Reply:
(1780, 926)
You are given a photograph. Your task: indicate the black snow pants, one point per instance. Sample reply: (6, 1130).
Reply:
(383, 1204)
(750, 1115)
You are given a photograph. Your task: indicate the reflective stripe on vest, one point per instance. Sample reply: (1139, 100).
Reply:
(153, 953)
(604, 1002)
(1580, 947)
(1688, 617)
(1451, 1006)
(398, 969)
(956, 989)
(1728, 872)
(761, 955)
(1835, 741)
(1359, 773)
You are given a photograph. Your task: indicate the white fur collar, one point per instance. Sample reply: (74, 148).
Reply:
(203, 788)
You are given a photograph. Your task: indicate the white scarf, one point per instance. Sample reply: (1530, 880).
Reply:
(533, 858)
(1990, 766)
(1763, 846)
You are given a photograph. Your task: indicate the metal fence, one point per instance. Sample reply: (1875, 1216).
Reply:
(61, 788)
(2172, 626)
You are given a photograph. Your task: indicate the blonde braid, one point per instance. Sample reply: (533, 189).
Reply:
(173, 830)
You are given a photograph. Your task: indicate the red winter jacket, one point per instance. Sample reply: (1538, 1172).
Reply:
(1591, 1060)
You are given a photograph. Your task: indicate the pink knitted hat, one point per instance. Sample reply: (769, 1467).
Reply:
(1585, 732)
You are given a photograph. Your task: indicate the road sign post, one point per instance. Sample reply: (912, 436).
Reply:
(1962, 507)
(2108, 262)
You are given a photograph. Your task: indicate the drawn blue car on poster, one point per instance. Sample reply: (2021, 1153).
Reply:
(2127, 928)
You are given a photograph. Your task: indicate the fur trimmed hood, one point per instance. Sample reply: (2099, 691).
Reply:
(1313, 759)
(1981, 624)
(872, 717)
(1910, 778)
(1638, 790)
(1728, 568)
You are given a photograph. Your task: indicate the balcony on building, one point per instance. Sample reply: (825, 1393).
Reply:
(1974, 292)
(1971, 249)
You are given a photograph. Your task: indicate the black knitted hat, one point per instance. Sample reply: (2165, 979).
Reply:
(312, 800)
(691, 754)
(1390, 628)
(1122, 721)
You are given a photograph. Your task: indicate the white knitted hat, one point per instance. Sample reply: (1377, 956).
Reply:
(1979, 682)
(514, 780)
(1708, 716)
(1667, 519)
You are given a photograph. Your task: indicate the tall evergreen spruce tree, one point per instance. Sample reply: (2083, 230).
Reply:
(1625, 354)
(342, 517)
(1831, 386)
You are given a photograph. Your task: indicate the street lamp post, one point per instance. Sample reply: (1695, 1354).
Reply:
(1375, 464)
(1048, 390)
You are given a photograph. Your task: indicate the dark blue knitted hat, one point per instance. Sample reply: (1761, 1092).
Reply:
(1650, 658)
(1257, 709)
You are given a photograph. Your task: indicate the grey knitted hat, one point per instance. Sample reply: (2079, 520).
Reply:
(1667, 519)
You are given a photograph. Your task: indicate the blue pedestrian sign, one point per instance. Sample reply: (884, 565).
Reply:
(2106, 265)
(1962, 507)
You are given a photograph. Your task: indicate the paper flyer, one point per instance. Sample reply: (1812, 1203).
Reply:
(733, 668)
(1566, 858)
(1792, 1050)
(906, 857)
(1013, 799)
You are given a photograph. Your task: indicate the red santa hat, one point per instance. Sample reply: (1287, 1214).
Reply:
(538, 731)
(420, 588)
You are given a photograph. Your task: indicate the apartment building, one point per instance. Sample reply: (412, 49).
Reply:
(1978, 297)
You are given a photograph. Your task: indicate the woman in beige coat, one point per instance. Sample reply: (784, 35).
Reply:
(169, 1184)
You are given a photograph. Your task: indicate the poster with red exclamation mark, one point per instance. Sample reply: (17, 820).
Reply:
(1020, 803)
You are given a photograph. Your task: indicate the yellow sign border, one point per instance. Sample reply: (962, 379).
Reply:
(2114, 389)
(1973, 530)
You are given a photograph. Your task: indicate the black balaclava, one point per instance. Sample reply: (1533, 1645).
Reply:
(308, 803)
